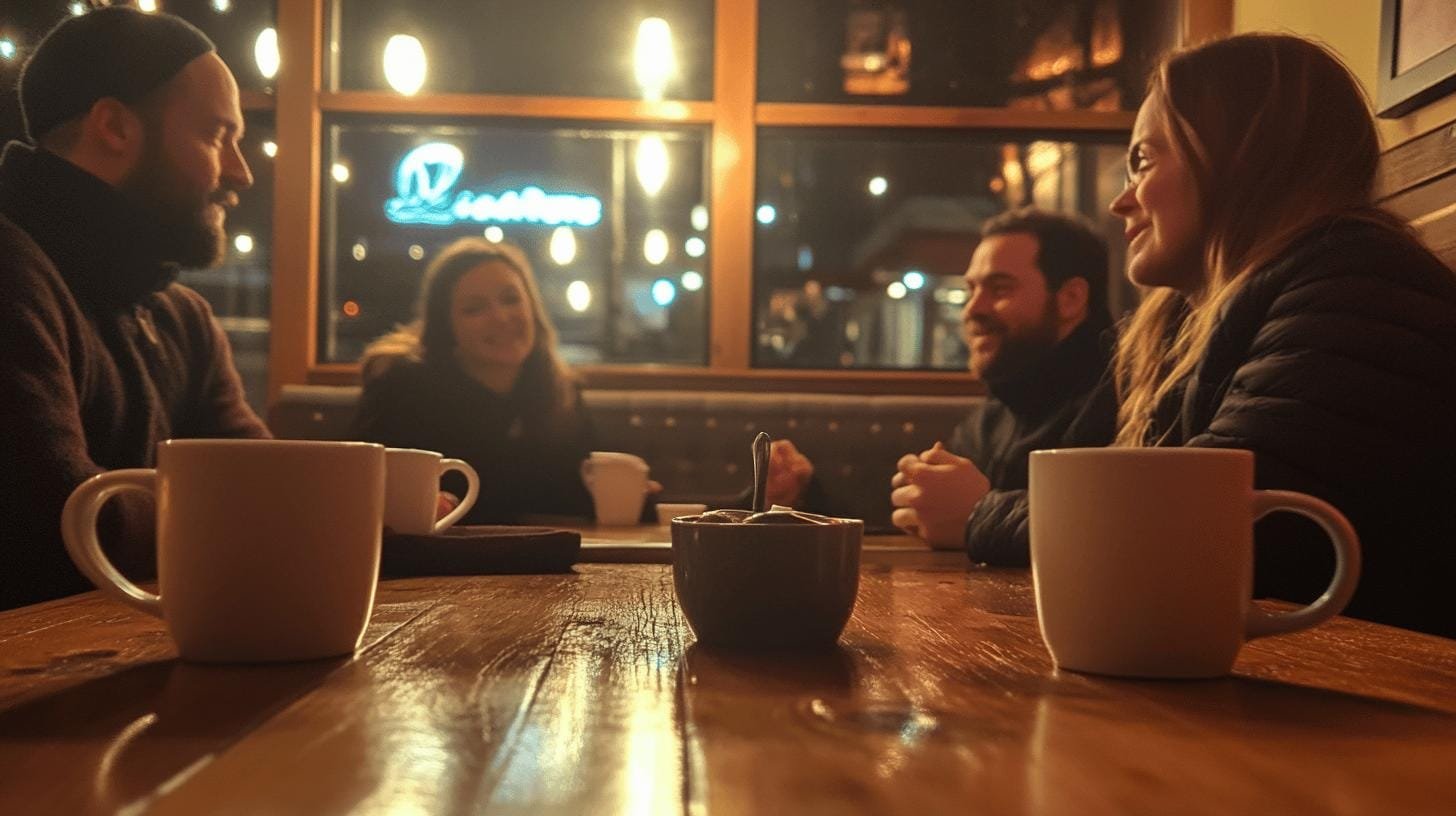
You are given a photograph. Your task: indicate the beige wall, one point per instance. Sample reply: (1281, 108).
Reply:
(1352, 29)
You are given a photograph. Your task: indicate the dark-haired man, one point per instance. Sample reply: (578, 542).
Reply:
(1036, 323)
(133, 161)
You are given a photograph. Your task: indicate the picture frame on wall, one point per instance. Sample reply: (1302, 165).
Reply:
(1417, 54)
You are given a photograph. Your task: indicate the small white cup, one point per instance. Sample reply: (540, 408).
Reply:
(412, 490)
(667, 512)
(1143, 558)
(618, 484)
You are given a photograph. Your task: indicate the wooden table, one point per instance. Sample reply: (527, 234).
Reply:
(584, 693)
(651, 544)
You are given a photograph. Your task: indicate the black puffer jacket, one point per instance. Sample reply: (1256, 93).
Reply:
(1336, 365)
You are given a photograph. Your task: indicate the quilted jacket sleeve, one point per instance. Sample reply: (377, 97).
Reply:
(999, 532)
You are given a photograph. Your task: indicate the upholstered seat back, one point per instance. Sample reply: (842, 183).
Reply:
(697, 442)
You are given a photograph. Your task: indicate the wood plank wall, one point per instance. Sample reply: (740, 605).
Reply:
(1417, 181)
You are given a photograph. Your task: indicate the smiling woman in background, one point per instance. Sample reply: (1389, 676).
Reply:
(1289, 316)
(478, 377)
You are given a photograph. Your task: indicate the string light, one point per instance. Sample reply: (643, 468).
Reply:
(654, 60)
(404, 64)
(655, 247)
(265, 53)
(578, 296)
(651, 163)
(563, 246)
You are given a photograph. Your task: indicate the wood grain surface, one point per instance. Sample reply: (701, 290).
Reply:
(584, 693)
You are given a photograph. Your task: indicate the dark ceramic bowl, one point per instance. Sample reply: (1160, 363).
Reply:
(766, 585)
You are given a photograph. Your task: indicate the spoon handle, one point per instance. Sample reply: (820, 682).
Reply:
(760, 471)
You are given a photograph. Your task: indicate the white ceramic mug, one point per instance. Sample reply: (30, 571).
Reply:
(412, 490)
(618, 485)
(267, 550)
(1143, 558)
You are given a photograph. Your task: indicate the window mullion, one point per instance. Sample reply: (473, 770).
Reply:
(296, 193)
(735, 90)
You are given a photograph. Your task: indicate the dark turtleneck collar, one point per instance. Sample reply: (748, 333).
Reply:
(104, 247)
(1069, 368)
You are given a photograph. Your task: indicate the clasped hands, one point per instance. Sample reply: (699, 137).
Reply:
(934, 494)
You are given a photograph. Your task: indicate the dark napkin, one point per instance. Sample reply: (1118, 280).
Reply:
(480, 550)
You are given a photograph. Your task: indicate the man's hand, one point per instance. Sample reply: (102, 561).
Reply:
(444, 503)
(789, 472)
(934, 494)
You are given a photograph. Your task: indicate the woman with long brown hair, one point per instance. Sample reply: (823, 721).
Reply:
(1290, 316)
(477, 376)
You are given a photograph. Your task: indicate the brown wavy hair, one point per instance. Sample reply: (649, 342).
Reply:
(1278, 135)
(545, 381)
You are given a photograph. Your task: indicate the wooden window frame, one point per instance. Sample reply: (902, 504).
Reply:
(300, 100)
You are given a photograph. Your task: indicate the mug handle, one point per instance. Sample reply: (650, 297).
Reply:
(1347, 564)
(586, 473)
(472, 492)
(78, 530)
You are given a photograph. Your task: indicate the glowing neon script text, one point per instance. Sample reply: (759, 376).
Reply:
(424, 185)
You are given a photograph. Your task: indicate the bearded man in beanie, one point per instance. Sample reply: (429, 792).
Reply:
(133, 161)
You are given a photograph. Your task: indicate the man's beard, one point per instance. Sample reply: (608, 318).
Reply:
(1018, 352)
(184, 235)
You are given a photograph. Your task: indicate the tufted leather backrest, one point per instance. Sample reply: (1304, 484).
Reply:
(697, 442)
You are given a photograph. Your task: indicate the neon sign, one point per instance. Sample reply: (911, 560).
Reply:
(424, 186)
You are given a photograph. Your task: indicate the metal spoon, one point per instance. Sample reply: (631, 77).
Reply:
(760, 471)
(785, 516)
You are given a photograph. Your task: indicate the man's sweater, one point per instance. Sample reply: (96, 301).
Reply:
(1056, 403)
(102, 356)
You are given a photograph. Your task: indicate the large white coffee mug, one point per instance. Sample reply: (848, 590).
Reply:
(1143, 558)
(412, 490)
(267, 550)
(618, 485)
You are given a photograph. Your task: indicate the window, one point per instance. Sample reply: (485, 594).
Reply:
(862, 237)
(1043, 55)
(540, 47)
(775, 118)
(611, 218)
